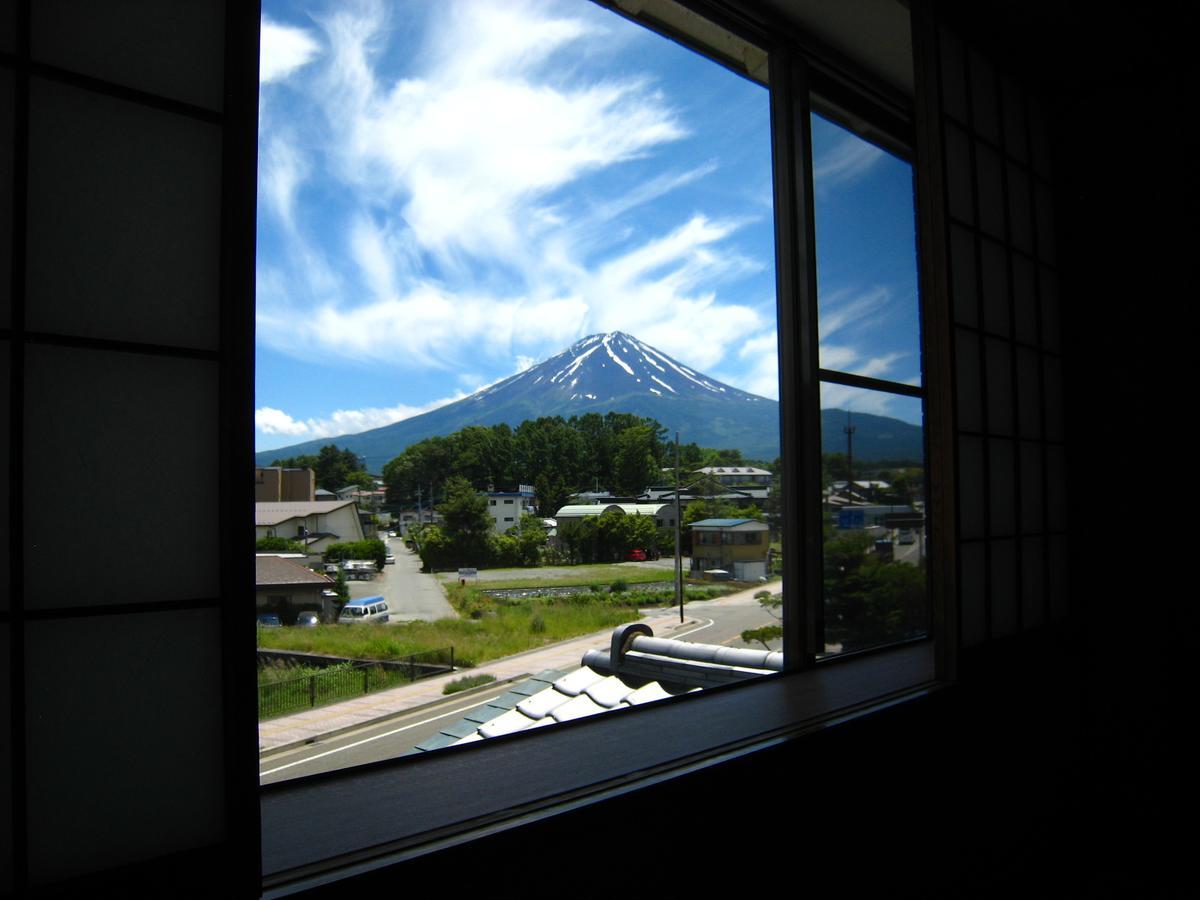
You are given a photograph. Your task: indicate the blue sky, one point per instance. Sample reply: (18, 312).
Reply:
(450, 192)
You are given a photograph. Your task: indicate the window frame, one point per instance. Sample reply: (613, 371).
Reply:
(810, 694)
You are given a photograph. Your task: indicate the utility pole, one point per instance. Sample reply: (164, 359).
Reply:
(849, 429)
(678, 547)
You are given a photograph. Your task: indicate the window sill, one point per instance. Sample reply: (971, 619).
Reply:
(377, 815)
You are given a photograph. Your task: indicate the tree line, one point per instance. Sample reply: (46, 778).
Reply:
(560, 457)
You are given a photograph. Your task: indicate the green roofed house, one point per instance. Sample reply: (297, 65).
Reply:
(736, 546)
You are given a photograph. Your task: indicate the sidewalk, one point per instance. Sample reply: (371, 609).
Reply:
(305, 727)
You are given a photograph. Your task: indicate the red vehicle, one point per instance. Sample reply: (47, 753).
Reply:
(637, 556)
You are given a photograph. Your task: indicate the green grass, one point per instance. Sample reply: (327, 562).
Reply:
(599, 573)
(284, 689)
(500, 630)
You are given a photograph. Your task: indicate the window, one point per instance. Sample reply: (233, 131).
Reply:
(792, 133)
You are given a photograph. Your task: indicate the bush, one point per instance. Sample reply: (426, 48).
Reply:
(375, 551)
(467, 682)
(619, 586)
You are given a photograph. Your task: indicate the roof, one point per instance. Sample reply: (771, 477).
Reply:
(270, 570)
(274, 513)
(577, 510)
(637, 668)
(732, 470)
(730, 523)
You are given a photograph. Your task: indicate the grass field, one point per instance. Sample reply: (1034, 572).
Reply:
(500, 630)
(573, 576)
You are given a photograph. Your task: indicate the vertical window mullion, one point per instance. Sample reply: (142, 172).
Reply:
(799, 390)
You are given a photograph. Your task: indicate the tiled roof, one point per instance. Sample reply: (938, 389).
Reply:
(602, 685)
(274, 513)
(273, 570)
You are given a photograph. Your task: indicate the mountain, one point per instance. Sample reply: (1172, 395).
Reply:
(617, 372)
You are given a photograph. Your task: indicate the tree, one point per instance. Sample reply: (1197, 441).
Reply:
(466, 522)
(634, 463)
(763, 634)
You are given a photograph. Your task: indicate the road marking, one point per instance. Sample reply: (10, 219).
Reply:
(710, 624)
(377, 737)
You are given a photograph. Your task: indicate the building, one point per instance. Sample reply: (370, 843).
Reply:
(317, 524)
(662, 513)
(736, 475)
(275, 484)
(738, 546)
(286, 587)
(1044, 756)
(507, 507)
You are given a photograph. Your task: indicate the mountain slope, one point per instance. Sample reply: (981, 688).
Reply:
(616, 372)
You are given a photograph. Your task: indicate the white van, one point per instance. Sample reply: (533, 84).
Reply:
(364, 609)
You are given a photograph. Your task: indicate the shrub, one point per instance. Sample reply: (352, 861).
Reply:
(618, 587)
(467, 682)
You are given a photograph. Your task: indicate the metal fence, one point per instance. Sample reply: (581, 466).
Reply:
(342, 681)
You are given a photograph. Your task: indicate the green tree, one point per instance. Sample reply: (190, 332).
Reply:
(465, 522)
(634, 463)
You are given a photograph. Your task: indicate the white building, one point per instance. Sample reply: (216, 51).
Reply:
(318, 524)
(507, 507)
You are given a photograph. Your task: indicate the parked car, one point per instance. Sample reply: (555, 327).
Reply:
(307, 620)
(270, 620)
(390, 560)
(906, 536)
(636, 556)
(364, 609)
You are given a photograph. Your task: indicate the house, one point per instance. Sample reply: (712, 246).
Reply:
(1041, 754)
(738, 546)
(507, 507)
(318, 524)
(285, 587)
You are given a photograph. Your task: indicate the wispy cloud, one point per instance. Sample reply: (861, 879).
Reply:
(456, 238)
(848, 160)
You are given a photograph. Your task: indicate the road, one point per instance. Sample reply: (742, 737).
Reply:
(386, 740)
(410, 593)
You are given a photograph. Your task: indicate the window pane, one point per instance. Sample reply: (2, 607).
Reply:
(866, 257)
(874, 507)
(509, 252)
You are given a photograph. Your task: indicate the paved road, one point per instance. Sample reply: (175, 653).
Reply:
(410, 593)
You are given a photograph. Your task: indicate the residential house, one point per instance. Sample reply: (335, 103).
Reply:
(738, 546)
(318, 524)
(507, 507)
(286, 587)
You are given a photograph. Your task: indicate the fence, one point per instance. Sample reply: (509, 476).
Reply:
(349, 679)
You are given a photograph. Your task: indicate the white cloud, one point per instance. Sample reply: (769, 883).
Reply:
(451, 242)
(268, 420)
(848, 160)
(283, 50)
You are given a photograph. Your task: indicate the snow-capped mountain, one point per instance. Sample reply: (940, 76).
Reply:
(602, 373)
(598, 373)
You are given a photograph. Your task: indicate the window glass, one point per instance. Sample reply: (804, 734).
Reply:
(866, 257)
(525, 246)
(876, 542)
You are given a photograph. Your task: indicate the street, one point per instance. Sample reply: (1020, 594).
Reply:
(410, 594)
